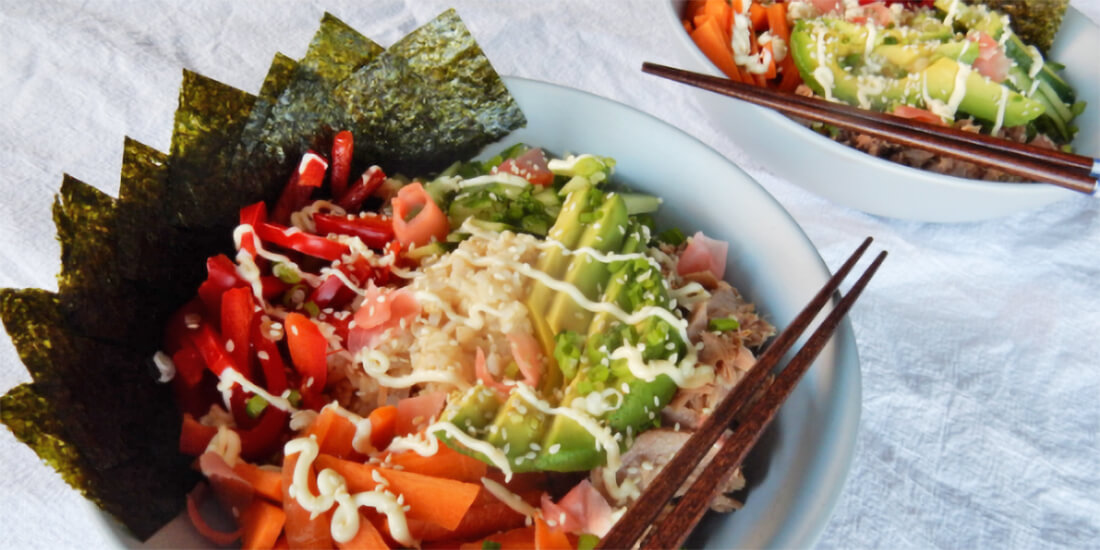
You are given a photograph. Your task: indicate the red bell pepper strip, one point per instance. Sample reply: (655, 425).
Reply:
(221, 276)
(175, 333)
(333, 292)
(189, 365)
(253, 215)
(353, 199)
(309, 175)
(306, 243)
(375, 231)
(308, 350)
(342, 147)
(238, 311)
(271, 361)
(263, 439)
(212, 348)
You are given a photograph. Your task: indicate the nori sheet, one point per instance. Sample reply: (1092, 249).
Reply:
(94, 410)
(305, 115)
(433, 97)
(207, 127)
(95, 413)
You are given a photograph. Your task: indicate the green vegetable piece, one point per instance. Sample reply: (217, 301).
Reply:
(640, 203)
(286, 273)
(255, 406)
(568, 346)
(490, 545)
(723, 324)
(672, 236)
(587, 541)
(294, 397)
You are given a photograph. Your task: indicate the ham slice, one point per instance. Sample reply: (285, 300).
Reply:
(382, 309)
(582, 510)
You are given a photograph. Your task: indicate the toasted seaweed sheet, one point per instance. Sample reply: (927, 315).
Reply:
(1035, 21)
(431, 98)
(94, 410)
(207, 126)
(305, 116)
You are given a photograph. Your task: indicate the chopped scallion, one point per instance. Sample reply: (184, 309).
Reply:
(723, 324)
(255, 406)
(286, 274)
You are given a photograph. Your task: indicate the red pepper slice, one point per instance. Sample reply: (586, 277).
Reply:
(212, 348)
(353, 199)
(238, 311)
(189, 365)
(309, 175)
(306, 243)
(253, 215)
(175, 333)
(308, 350)
(375, 231)
(221, 276)
(271, 361)
(262, 439)
(342, 147)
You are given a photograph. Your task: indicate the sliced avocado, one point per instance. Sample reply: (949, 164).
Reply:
(604, 234)
(567, 230)
(832, 40)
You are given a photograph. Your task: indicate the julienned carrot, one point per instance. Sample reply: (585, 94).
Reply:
(268, 483)
(487, 515)
(777, 21)
(759, 17)
(447, 463)
(438, 500)
(720, 10)
(548, 538)
(772, 71)
(368, 538)
(261, 523)
(302, 530)
(711, 40)
(516, 539)
(334, 434)
(383, 425)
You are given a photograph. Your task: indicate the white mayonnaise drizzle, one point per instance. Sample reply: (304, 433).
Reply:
(332, 489)
(509, 498)
(377, 364)
(687, 374)
(231, 377)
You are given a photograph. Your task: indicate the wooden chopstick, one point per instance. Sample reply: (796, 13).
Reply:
(1076, 172)
(645, 509)
(673, 529)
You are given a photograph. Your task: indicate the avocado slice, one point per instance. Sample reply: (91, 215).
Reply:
(826, 50)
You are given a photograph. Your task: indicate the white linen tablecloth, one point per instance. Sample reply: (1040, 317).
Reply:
(978, 341)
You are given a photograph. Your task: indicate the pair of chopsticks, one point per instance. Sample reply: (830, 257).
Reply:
(673, 529)
(1076, 172)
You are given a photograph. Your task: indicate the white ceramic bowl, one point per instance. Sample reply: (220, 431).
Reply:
(797, 472)
(852, 178)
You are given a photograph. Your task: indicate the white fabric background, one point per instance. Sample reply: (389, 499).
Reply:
(978, 341)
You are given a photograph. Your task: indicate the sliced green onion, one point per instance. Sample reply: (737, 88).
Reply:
(286, 274)
(723, 324)
(587, 541)
(295, 398)
(312, 309)
(672, 236)
(490, 545)
(255, 406)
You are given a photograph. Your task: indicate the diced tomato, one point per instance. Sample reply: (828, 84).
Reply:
(353, 198)
(294, 239)
(375, 231)
(992, 61)
(914, 113)
(417, 220)
(531, 166)
(342, 147)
